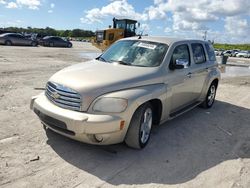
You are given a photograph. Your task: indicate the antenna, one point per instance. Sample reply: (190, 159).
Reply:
(141, 33)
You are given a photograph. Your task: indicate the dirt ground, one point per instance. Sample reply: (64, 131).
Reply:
(202, 148)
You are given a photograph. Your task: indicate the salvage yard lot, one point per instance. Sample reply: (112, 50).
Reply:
(202, 148)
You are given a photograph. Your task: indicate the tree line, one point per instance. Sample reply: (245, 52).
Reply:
(50, 31)
(232, 46)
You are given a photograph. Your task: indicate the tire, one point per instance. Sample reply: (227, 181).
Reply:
(69, 45)
(210, 97)
(140, 126)
(51, 44)
(8, 43)
(33, 44)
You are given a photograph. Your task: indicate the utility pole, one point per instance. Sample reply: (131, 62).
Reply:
(205, 35)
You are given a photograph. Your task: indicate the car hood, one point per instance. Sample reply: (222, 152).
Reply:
(94, 78)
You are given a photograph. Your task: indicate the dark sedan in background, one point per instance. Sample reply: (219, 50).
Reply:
(16, 39)
(52, 41)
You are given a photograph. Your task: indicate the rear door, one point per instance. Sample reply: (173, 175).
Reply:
(199, 67)
(24, 41)
(59, 42)
(14, 39)
(20, 40)
(62, 42)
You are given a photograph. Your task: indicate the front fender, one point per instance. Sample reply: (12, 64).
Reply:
(136, 97)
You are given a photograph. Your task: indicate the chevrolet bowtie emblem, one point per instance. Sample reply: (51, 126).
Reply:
(55, 95)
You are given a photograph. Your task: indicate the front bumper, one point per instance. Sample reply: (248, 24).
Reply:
(79, 126)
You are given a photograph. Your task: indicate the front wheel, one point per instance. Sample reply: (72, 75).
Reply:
(140, 127)
(210, 98)
(69, 45)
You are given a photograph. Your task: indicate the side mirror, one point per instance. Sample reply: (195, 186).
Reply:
(181, 64)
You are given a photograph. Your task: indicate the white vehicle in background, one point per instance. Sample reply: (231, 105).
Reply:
(235, 52)
(227, 53)
(245, 54)
(217, 52)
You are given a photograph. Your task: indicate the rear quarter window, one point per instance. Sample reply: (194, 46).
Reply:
(210, 52)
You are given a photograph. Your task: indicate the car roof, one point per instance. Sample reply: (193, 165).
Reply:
(163, 39)
(49, 37)
(4, 34)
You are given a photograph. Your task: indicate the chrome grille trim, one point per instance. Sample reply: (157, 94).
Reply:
(63, 96)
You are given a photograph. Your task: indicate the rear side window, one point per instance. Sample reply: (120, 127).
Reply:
(210, 52)
(198, 53)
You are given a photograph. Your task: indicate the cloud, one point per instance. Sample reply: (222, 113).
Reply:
(188, 15)
(145, 27)
(30, 4)
(193, 18)
(155, 12)
(119, 9)
(167, 30)
(242, 25)
(229, 7)
(52, 5)
(12, 23)
(2, 2)
(11, 5)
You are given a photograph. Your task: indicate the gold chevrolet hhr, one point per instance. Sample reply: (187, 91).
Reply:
(135, 84)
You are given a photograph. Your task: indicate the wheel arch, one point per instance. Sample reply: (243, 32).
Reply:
(157, 110)
(215, 81)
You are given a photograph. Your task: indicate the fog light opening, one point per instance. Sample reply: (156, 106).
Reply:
(98, 138)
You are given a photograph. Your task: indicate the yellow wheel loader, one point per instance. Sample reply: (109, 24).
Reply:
(122, 28)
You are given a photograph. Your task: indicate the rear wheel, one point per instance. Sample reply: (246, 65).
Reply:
(210, 98)
(140, 127)
(8, 43)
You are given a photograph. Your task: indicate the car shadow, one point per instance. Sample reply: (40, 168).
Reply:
(178, 151)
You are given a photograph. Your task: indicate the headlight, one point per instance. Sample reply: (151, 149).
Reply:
(107, 104)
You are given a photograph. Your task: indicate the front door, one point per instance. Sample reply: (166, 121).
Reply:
(181, 80)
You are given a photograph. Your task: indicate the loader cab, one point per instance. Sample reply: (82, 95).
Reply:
(127, 25)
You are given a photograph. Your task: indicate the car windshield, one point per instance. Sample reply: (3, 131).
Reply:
(135, 53)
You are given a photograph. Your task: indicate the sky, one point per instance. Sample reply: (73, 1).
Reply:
(224, 21)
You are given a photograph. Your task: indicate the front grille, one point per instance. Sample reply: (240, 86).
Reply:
(63, 96)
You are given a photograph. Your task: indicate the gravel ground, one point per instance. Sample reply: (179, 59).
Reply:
(202, 148)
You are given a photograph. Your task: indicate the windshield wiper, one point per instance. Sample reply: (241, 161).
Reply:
(121, 62)
(101, 59)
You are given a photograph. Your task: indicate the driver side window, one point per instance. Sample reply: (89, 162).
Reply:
(181, 52)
